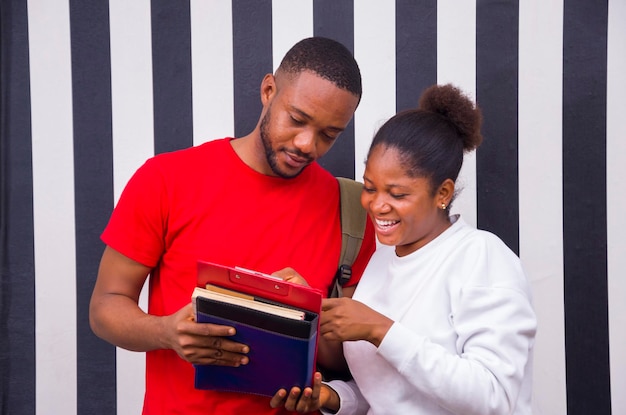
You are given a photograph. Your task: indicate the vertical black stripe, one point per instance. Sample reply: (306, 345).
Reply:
(584, 207)
(171, 71)
(17, 278)
(335, 20)
(93, 185)
(416, 50)
(496, 93)
(252, 59)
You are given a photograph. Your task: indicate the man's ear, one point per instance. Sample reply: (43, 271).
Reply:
(268, 88)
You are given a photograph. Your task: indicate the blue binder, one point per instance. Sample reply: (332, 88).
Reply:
(282, 350)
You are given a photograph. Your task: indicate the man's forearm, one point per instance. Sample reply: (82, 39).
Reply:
(119, 320)
(330, 356)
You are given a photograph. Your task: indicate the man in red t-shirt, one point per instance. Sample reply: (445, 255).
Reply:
(260, 201)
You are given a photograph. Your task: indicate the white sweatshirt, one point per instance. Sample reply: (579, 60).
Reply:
(463, 331)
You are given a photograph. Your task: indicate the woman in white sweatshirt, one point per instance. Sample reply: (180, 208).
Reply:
(441, 321)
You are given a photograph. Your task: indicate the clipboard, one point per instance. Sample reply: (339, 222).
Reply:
(256, 283)
(283, 351)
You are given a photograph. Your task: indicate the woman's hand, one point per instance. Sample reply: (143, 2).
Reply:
(345, 319)
(309, 400)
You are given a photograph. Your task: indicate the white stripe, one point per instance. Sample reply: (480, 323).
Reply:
(456, 64)
(133, 143)
(541, 192)
(131, 88)
(292, 21)
(53, 202)
(374, 50)
(616, 201)
(212, 70)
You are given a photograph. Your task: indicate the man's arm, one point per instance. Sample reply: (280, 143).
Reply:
(115, 316)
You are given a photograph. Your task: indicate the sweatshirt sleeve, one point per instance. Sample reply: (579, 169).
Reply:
(495, 326)
(350, 398)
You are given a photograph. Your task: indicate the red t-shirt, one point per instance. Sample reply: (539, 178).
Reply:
(205, 203)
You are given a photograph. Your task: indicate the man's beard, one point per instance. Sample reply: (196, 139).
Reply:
(270, 154)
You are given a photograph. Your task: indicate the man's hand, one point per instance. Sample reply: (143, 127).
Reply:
(203, 343)
(116, 317)
(291, 275)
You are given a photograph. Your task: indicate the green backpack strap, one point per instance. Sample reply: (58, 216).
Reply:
(353, 219)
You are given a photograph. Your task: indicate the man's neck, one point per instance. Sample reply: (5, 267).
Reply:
(250, 150)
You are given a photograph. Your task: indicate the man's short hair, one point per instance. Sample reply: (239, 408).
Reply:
(328, 59)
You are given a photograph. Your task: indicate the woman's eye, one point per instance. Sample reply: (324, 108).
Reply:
(398, 196)
(296, 121)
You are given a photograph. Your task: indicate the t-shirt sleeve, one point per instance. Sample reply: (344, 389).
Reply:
(368, 246)
(138, 222)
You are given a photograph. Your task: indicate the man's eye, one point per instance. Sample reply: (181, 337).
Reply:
(368, 189)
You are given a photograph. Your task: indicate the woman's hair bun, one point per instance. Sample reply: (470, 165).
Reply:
(451, 103)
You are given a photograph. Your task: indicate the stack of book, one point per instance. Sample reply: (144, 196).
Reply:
(278, 320)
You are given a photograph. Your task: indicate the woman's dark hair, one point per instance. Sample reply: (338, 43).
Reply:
(328, 59)
(432, 139)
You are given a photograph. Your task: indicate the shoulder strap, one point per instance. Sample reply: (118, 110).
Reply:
(353, 219)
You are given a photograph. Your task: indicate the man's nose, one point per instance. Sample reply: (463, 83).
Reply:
(306, 143)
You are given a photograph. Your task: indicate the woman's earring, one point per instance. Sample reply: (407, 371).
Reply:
(443, 206)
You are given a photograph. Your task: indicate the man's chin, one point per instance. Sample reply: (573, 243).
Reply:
(288, 173)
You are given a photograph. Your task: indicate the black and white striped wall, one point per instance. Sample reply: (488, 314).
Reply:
(90, 89)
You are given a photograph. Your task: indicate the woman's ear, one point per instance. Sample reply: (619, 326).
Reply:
(445, 193)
